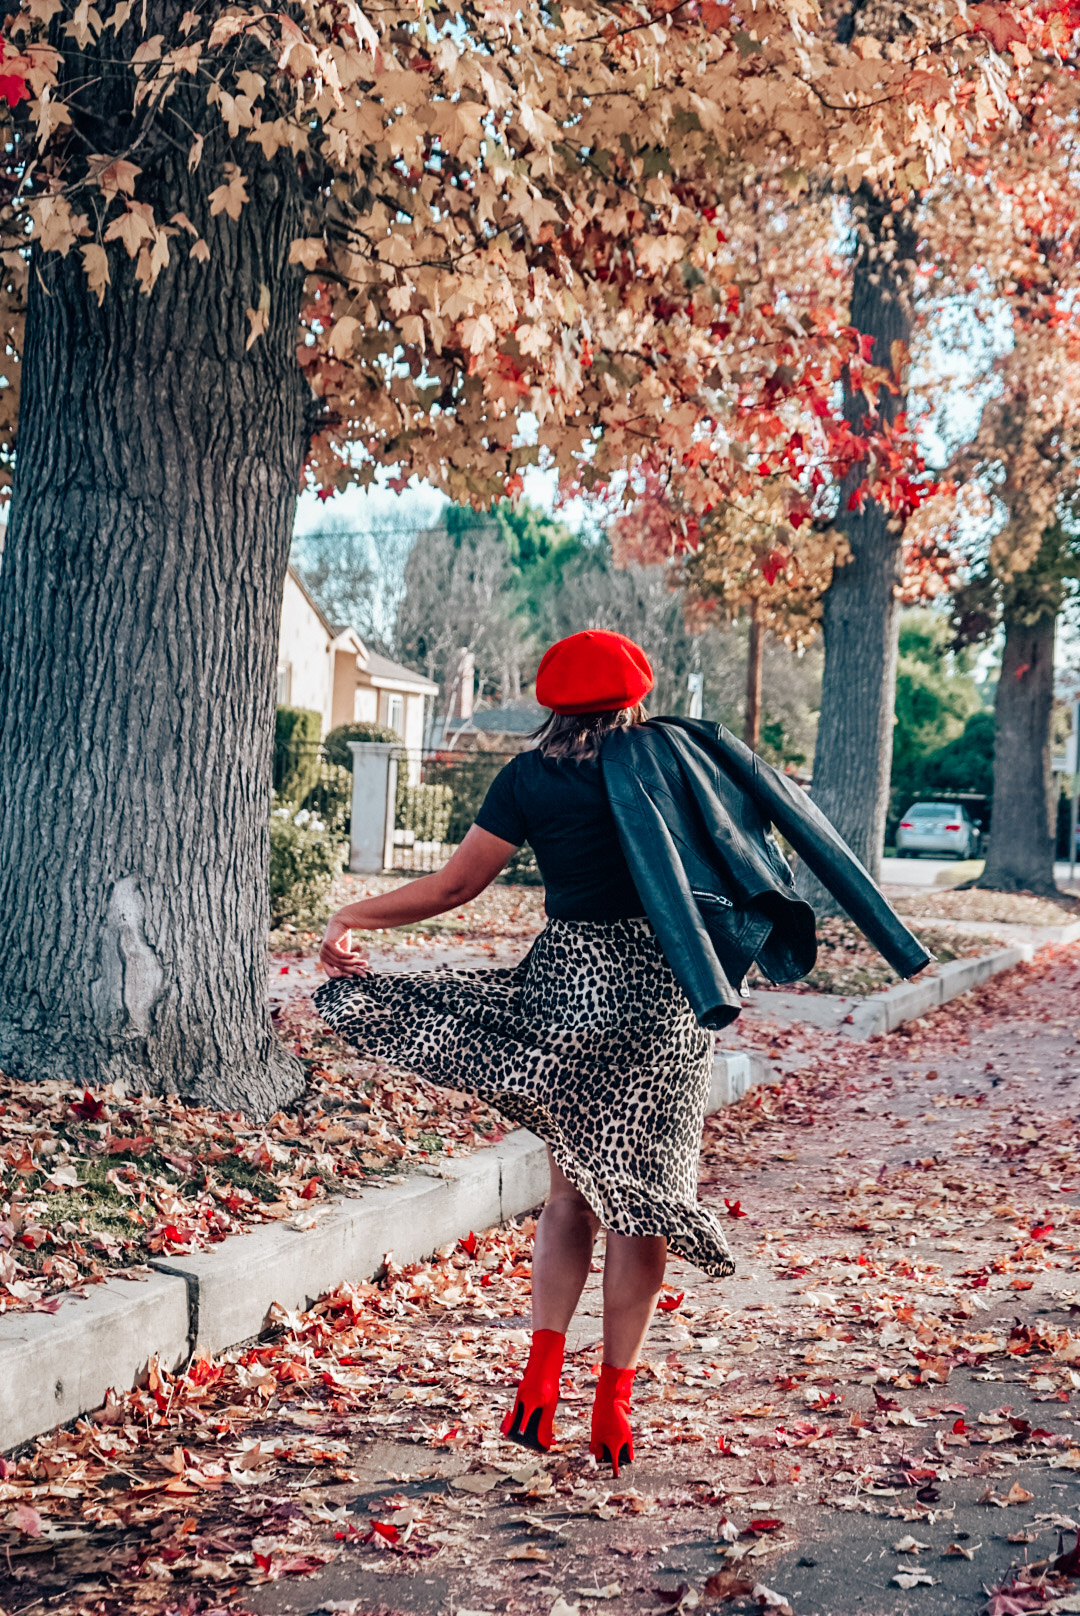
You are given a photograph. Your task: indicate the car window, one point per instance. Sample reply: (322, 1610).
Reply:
(930, 810)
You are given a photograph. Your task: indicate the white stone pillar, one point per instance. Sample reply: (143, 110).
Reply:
(374, 789)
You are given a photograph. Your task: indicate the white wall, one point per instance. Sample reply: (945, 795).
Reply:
(414, 722)
(304, 648)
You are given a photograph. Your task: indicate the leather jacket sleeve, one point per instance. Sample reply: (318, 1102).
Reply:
(818, 844)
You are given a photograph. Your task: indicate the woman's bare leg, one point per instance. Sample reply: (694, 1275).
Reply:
(633, 1274)
(562, 1252)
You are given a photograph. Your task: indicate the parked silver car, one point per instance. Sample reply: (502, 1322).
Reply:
(937, 827)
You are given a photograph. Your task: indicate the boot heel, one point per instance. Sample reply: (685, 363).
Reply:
(531, 1420)
(611, 1440)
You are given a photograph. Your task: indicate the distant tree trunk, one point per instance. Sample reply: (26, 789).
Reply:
(1022, 826)
(855, 730)
(140, 594)
(752, 722)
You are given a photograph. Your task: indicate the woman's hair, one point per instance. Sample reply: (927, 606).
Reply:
(579, 735)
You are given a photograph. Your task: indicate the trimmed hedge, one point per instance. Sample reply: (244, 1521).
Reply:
(331, 798)
(468, 779)
(425, 810)
(522, 869)
(297, 732)
(336, 745)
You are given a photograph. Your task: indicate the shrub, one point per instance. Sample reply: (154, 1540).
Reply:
(425, 810)
(304, 859)
(336, 745)
(297, 731)
(330, 798)
(468, 779)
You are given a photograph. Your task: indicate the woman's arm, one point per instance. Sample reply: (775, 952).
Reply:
(472, 868)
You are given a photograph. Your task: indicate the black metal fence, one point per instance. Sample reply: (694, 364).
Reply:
(304, 777)
(438, 795)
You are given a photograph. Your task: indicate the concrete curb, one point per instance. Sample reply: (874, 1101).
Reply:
(54, 1367)
(883, 1012)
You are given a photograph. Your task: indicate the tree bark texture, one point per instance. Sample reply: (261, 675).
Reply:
(752, 722)
(140, 594)
(1023, 825)
(860, 609)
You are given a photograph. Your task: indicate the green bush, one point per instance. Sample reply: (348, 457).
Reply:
(330, 798)
(425, 810)
(304, 859)
(336, 745)
(297, 732)
(468, 779)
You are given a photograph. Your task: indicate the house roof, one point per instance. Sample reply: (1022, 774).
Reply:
(376, 666)
(335, 630)
(381, 667)
(516, 718)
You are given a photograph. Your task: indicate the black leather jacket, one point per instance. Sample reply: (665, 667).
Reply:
(693, 806)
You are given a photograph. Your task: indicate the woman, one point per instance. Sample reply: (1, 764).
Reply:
(592, 1040)
(589, 1041)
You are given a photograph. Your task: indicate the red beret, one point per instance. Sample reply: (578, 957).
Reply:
(593, 672)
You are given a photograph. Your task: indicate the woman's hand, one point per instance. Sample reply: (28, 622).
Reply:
(337, 956)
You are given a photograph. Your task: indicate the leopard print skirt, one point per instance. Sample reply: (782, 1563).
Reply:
(590, 1042)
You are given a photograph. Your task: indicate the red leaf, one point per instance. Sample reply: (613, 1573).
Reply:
(26, 1519)
(89, 1109)
(999, 24)
(668, 1304)
(734, 1209)
(773, 565)
(310, 1189)
(13, 89)
(468, 1244)
(385, 1529)
(769, 1523)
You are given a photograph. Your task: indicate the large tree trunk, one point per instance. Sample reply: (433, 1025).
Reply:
(854, 745)
(140, 592)
(1023, 826)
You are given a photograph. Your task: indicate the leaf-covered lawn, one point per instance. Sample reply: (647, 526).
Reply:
(95, 1183)
(847, 963)
(1010, 908)
(892, 1370)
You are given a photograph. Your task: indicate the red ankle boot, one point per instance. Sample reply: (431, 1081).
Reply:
(612, 1438)
(531, 1419)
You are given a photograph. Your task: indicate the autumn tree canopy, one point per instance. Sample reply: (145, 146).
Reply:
(242, 244)
(503, 212)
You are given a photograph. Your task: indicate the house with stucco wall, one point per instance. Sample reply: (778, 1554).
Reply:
(327, 667)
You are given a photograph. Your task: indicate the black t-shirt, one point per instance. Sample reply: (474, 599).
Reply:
(560, 807)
